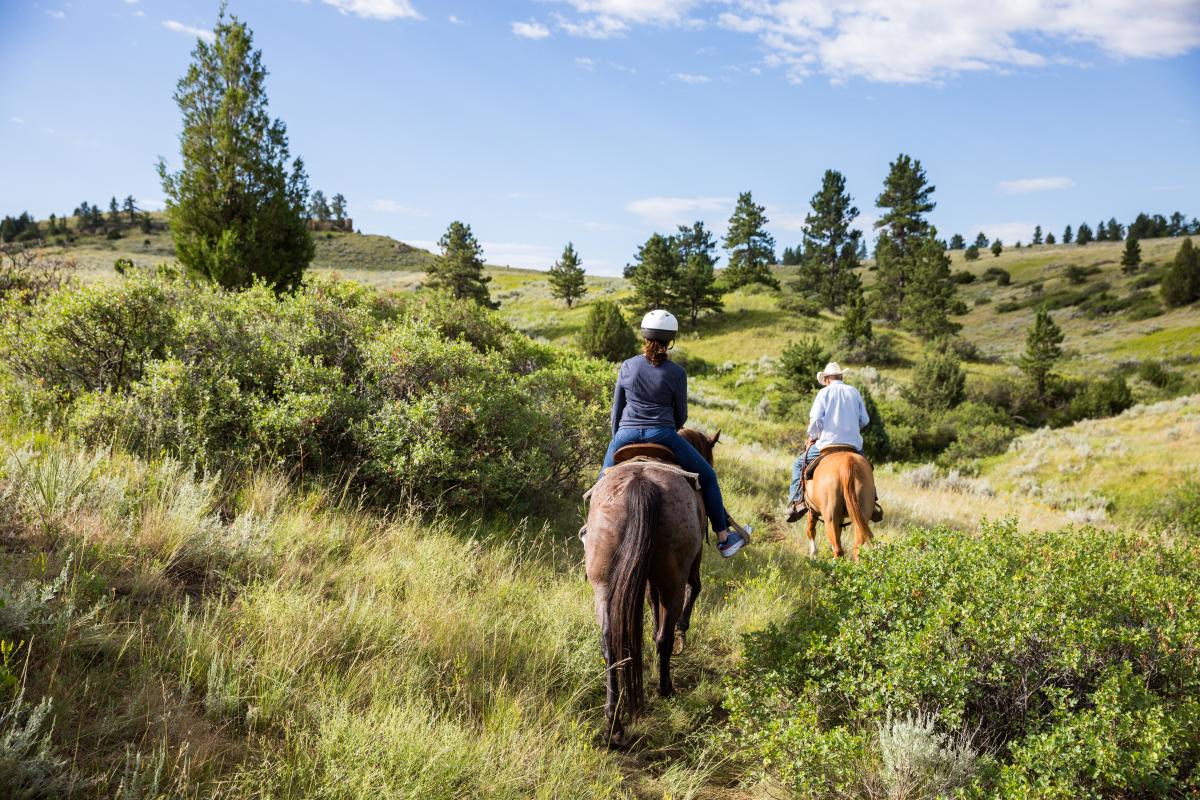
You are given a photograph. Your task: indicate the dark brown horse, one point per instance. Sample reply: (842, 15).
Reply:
(645, 529)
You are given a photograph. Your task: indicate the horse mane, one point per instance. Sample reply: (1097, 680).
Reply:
(702, 443)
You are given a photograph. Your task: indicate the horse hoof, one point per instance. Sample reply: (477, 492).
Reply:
(617, 738)
(666, 691)
(680, 641)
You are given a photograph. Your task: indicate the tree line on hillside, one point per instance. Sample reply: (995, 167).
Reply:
(1145, 226)
(89, 218)
(328, 214)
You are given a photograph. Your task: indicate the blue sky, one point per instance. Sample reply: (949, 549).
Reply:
(601, 121)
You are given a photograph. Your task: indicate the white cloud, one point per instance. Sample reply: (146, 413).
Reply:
(139, 13)
(385, 10)
(131, 2)
(179, 27)
(17, 120)
(1007, 232)
(586, 63)
(453, 20)
(520, 254)
(57, 14)
(1023, 185)
(915, 42)
(530, 30)
(785, 220)
(669, 211)
(688, 77)
(392, 207)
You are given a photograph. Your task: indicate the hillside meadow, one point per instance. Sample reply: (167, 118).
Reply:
(221, 595)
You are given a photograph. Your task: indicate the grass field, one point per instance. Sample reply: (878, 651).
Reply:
(252, 636)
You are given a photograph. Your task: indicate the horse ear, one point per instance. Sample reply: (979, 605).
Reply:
(716, 437)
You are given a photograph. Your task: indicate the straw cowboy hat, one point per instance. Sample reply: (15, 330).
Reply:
(830, 370)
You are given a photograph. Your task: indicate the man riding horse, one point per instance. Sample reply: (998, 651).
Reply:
(843, 483)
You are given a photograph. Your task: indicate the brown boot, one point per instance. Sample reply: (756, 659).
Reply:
(877, 514)
(796, 511)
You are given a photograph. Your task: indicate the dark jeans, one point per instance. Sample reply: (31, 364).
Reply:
(687, 456)
(797, 468)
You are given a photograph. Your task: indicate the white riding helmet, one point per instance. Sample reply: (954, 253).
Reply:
(660, 325)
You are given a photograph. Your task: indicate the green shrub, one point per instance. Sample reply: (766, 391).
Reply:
(1008, 306)
(963, 276)
(1102, 397)
(938, 381)
(997, 274)
(799, 304)
(1070, 654)
(1180, 509)
(1158, 376)
(607, 334)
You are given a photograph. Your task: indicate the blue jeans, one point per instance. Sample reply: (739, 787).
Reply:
(687, 457)
(798, 467)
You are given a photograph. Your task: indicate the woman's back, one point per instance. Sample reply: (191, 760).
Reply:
(654, 396)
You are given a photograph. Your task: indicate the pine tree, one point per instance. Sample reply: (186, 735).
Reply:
(830, 245)
(566, 277)
(997, 248)
(459, 269)
(130, 208)
(235, 209)
(1115, 230)
(904, 202)
(854, 330)
(337, 206)
(981, 241)
(1131, 259)
(1037, 235)
(1050, 238)
(1084, 235)
(751, 248)
(655, 274)
(938, 380)
(1181, 284)
(1066, 235)
(930, 301)
(971, 253)
(607, 334)
(1176, 226)
(114, 211)
(1101, 232)
(957, 242)
(1043, 347)
(318, 207)
(696, 287)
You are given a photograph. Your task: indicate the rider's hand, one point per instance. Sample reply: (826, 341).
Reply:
(809, 443)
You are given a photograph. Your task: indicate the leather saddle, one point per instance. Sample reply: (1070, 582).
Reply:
(658, 452)
(811, 468)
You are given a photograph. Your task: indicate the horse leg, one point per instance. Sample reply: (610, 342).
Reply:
(685, 618)
(810, 531)
(612, 718)
(664, 637)
(833, 527)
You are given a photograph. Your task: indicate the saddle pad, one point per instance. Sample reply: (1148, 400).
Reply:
(648, 463)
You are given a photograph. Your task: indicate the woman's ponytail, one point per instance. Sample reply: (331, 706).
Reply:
(654, 351)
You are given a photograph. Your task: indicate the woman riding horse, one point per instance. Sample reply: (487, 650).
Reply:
(650, 406)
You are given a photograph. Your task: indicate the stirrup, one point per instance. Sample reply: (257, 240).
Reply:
(796, 510)
(877, 514)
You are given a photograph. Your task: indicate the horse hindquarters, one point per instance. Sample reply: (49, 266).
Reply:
(859, 495)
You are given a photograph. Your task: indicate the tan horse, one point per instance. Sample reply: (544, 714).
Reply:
(645, 528)
(843, 486)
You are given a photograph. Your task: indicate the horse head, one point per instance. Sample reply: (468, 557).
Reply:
(703, 444)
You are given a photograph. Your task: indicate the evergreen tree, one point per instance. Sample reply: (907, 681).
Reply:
(751, 248)
(792, 256)
(114, 211)
(971, 253)
(318, 207)
(877, 446)
(1043, 347)
(854, 330)
(981, 241)
(1181, 284)
(1050, 238)
(459, 269)
(566, 276)
(146, 225)
(1037, 235)
(696, 288)
(607, 334)
(904, 202)
(1115, 230)
(130, 208)
(1018, 245)
(235, 209)
(337, 207)
(52, 225)
(830, 245)
(1066, 235)
(801, 360)
(1131, 259)
(957, 242)
(1084, 235)
(1101, 232)
(938, 380)
(655, 274)
(997, 248)
(1176, 226)
(930, 301)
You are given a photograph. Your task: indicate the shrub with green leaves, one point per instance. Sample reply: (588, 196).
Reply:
(1071, 656)
(938, 380)
(607, 334)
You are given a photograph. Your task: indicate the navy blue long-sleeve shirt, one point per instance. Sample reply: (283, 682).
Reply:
(647, 396)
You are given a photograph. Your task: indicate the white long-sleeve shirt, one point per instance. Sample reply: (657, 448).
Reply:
(838, 416)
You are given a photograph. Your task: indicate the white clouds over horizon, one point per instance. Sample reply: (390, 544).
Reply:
(923, 42)
(393, 207)
(530, 30)
(688, 77)
(190, 30)
(384, 10)
(1009, 233)
(1025, 185)
(671, 211)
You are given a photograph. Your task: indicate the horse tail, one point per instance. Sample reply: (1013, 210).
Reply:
(627, 587)
(852, 489)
